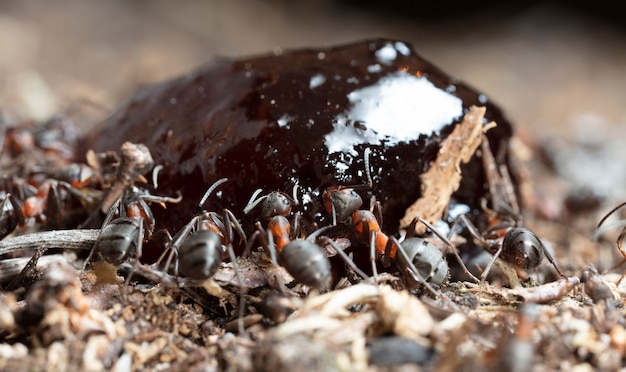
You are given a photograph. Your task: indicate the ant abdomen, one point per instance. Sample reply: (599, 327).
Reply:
(522, 248)
(306, 262)
(427, 258)
(119, 240)
(200, 255)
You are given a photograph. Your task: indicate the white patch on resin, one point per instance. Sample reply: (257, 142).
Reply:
(402, 48)
(284, 120)
(399, 108)
(387, 54)
(316, 81)
(372, 69)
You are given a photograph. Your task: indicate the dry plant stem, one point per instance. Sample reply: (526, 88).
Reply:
(548, 292)
(57, 239)
(500, 185)
(11, 267)
(444, 175)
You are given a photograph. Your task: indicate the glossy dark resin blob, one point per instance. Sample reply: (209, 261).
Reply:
(265, 122)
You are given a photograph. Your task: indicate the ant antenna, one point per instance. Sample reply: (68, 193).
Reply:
(253, 202)
(210, 190)
(366, 160)
(155, 175)
(294, 193)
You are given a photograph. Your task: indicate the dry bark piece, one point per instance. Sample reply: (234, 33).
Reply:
(443, 177)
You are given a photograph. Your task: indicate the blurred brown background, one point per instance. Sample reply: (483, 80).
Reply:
(556, 68)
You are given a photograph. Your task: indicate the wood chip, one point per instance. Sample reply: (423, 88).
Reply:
(444, 175)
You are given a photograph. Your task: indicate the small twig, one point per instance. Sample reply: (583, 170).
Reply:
(58, 239)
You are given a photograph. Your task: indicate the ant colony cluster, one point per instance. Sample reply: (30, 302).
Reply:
(275, 213)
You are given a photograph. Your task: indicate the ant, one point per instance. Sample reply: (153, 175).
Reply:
(47, 204)
(201, 243)
(519, 246)
(420, 258)
(504, 238)
(122, 237)
(302, 258)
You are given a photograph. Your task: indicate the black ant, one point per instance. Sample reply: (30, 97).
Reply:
(518, 246)
(504, 238)
(201, 243)
(302, 258)
(122, 237)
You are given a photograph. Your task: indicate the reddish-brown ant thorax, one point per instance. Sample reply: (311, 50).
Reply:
(306, 117)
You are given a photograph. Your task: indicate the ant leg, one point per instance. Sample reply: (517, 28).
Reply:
(107, 220)
(345, 258)
(242, 297)
(553, 261)
(54, 207)
(164, 236)
(177, 240)
(295, 226)
(230, 222)
(485, 272)
(138, 254)
(272, 250)
(410, 230)
(451, 247)
(377, 210)
(412, 270)
(248, 248)
(373, 255)
(388, 250)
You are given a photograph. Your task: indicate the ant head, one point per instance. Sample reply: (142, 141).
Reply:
(343, 202)
(276, 204)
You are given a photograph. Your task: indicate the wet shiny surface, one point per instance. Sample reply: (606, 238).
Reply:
(302, 116)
